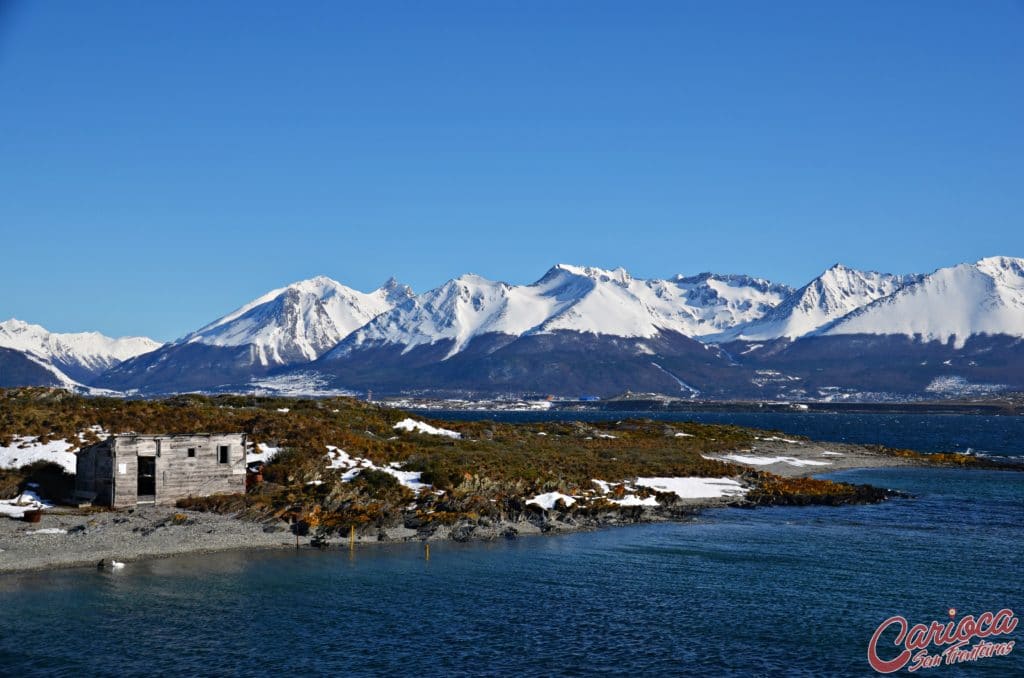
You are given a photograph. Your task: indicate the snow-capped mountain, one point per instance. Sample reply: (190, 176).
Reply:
(832, 295)
(568, 298)
(725, 301)
(71, 357)
(581, 330)
(299, 322)
(292, 325)
(951, 304)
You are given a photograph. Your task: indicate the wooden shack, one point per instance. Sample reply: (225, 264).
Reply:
(128, 469)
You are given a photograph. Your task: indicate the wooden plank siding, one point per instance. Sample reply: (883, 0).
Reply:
(109, 470)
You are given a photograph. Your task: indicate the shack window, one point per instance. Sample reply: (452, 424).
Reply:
(191, 451)
(222, 453)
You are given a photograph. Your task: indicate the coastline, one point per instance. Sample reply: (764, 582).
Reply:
(82, 538)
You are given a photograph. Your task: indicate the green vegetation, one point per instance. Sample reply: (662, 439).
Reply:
(487, 474)
(51, 478)
(773, 490)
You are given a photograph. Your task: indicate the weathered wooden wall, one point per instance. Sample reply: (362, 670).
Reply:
(94, 473)
(177, 474)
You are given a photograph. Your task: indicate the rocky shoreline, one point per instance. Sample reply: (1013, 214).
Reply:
(68, 537)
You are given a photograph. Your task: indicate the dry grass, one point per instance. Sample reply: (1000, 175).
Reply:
(487, 473)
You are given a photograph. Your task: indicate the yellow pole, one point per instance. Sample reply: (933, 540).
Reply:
(352, 537)
(426, 550)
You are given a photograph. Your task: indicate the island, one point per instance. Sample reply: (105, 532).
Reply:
(341, 472)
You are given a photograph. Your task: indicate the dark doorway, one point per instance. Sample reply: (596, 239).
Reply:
(147, 478)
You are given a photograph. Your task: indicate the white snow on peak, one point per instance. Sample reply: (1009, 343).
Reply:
(569, 298)
(951, 304)
(724, 301)
(619, 275)
(89, 352)
(832, 295)
(301, 321)
(617, 304)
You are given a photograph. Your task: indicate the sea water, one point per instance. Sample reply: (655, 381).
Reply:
(772, 591)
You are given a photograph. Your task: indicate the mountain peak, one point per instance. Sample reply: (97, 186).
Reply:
(732, 278)
(474, 279)
(581, 306)
(394, 292)
(79, 354)
(619, 275)
(15, 325)
(997, 266)
(950, 304)
(320, 284)
(299, 322)
(839, 290)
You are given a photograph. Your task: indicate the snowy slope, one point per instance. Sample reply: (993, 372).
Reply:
(952, 303)
(614, 303)
(26, 450)
(569, 298)
(725, 301)
(299, 322)
(832, 295)
(81, 353)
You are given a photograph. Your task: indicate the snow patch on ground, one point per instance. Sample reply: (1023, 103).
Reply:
(633, 500)
(685, 435)
(56, 451)
(779, 440)
(263, 453)
(832, 454)
(26, 501)
(422, 427)
(767, 461)
(97, 430)
(47, 530)
(548, 500)
(695, 488)
(338, 459)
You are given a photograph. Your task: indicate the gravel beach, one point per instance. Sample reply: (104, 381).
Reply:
(66, 537)
(790, 457)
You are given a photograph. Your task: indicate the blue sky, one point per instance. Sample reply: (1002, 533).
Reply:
(163, 163)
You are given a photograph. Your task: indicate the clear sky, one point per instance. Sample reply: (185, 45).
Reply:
(162, 163)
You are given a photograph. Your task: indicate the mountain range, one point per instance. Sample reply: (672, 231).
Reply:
(847, 334)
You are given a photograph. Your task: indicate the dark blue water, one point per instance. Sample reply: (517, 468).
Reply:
(779, 591)
(995, 435)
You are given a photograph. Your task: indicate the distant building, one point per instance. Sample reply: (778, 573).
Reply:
(127, 469)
